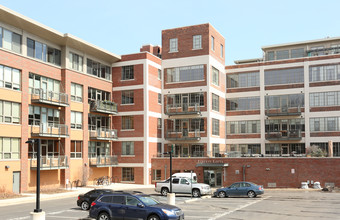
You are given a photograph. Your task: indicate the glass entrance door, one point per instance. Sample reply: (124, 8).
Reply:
(213, 177)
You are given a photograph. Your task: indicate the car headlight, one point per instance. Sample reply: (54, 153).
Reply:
(168, 212)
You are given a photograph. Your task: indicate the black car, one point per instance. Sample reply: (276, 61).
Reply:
(84, 200)
(132, 205)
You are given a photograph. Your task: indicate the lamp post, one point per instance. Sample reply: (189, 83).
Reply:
(37, 203)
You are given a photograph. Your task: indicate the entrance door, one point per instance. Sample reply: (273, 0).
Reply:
(16, 182)
(44, 89)
(185, 128)
(185, 151)
(44, 125)
(44, 153)
(213, 177)
(185, 103)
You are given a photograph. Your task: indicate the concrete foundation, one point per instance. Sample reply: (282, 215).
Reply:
(37, 215)
(171, 198)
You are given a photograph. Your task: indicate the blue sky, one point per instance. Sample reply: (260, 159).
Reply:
(122, 27)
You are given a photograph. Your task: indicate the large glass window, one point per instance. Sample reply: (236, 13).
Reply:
(10, 40)
(215, 76)
(76, 120)
(96, 94)
(243, 127)
(215, 126)
(186, 73)
(282, 54)
(9, 148)
(128, 148)
(243, 104)
(324, 99)
(243, 80)
(127, 97)
(197, 42)
(98, 122)
(76, 92)
(76, 149)
(173, 45)
(9, 112)
(215, 102)
(283, 76)
(127, 122)
(76, 62)
(324, 124)
(98, 69)
(324, 73)
(39, 115)
(127, 73)
(278, 125)
(194, 98)
(36, 82)
(99, 149)
(288, 101)
(43, 52)
(10, 78)
(128, 174)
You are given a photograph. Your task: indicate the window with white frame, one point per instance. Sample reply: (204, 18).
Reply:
(156, 175)
(99, 149)
(215, 102)
(76, 149)
(128, 97)
(76, 62)
(173, 45)
(10, 40)
(97, 94)
(215, 76)
(128, 174)
(37, 82)
(10, 78)
(76, 92)
(127, 73)
(128, 148)
(43, 52)
(35, 113)
(76, 120)
(197, 42)
(212, 43)
(9, 112)
(98, 69)
(127, 122)
(9, 148)
(185, 73)
(216, 150)
(215, 126)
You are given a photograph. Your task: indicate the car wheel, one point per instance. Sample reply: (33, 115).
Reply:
(85, 206)
(153, 217)
(196, 193)
(164, 191)
(251, 194)
(222, 194)
(103, 216)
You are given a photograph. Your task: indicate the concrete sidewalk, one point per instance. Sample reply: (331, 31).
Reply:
(74, 192)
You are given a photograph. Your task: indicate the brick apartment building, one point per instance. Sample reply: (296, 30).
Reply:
(100, 114)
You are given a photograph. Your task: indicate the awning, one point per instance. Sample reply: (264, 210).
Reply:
(212, 165)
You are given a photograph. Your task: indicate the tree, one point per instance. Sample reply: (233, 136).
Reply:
(316, 151)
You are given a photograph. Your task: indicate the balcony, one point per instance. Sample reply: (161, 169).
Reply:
(183, 135)
(283, 111)
(49, 98)
(323, 51)
(103, 134)
(103, 161)
(50, 163)
(50, 130)
(183, 109)
(292, 135)
(101, 106)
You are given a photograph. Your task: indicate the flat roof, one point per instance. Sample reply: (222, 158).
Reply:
(27, 24)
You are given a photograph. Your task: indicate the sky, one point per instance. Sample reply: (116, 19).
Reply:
(122, 27)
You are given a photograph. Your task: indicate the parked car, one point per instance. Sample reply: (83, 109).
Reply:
(240, 189)
(182, 185)
(132, 205)
(84, 200)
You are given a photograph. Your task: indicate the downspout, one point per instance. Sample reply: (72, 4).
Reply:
(244, 172)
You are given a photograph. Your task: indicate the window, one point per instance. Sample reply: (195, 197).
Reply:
(96, 94)
(128, 148)
(243, 80)
(76, 149)
(215, 102)
(270, 55)
(43, 52)
(159, 98)
(215, 76)
(296, 53)
(37, 82)
(98, 122)
(127, 73)
(175, 181)
(97, 69)
(212, 43)
(283, 76)
(282, 54)
(10, 78)
(76, 120)
(216, 150)
(324, 73)
(159, 123)
(9, 112)
(10, 40)
(127, 97)
(197, 42)
(99, 149)
(9, 148)
(156, 174)
(131, 201)
(324, 99)
(285, 101)
(215, 126)
(243, 127)
(221, 50)
(159, 74)
(128, 174)
(76, 92)
(173, 45)
(186, 73)
(35, 113)
(118, 200)
(159, 149)
(76, 62)
(243, 104)
(127, 122)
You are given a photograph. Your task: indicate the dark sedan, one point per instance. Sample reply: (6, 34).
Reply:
(240, 189)
(84, 200)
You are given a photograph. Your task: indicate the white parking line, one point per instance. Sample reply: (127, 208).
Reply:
(239, 208)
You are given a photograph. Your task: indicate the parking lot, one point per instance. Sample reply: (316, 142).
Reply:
(274, 204)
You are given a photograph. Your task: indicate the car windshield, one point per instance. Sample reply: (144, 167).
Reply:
(147, 200)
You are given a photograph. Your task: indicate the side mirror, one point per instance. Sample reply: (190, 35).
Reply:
(188, 183)
(140, 205)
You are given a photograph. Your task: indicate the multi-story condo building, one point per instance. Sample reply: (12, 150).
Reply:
(100, 114)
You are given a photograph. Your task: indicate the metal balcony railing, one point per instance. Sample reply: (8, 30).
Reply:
(103, 161)
(50, 130)
(101, 106)
(49, 97)
(183, 109)
(284, 135)
(284, 111)
(50, 163)
(103, 133)
(183, 134)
